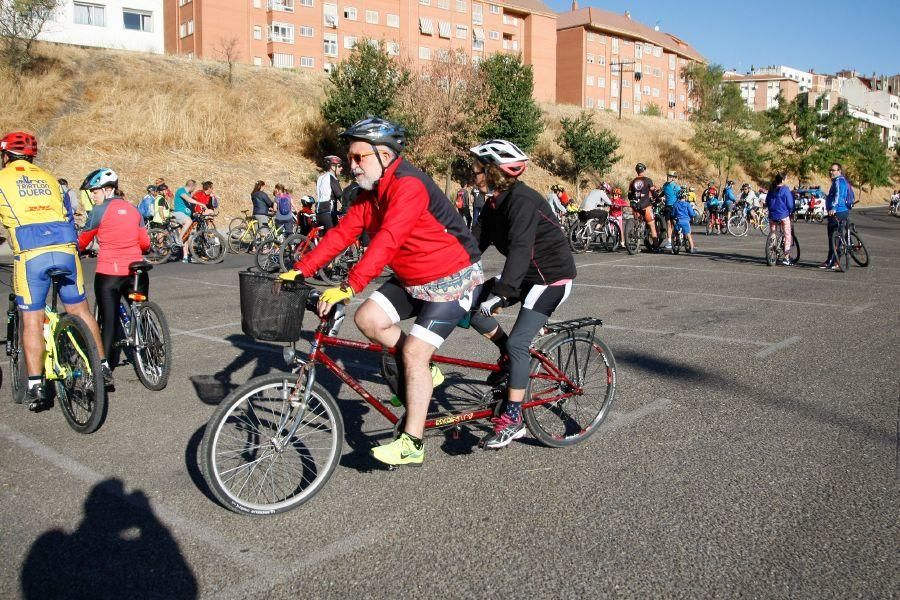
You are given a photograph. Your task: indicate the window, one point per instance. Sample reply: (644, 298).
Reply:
(425, 2)
(282, 32)
(589, 102)
(589, 80)
(590, 58)
(190, 27)
(372, 17)
(462, 6)
(426, 27)
(494, 35)
(462, 32)
(646, 90)
(307, 62)
(257, 3)
(626, 83)
(442, 54)
(257, 61)
(671, 62)
(182, 30)
(671, 97)
(637, 51)
(393, 20)
(601, 60)
(330, 43)
(657, 51)
(350, 13)
(495, 10)
(656, 92)
(614, 87)
(444, 29)
(282, 5)
(601, 39)
(445, 4)
(477, 13)
(329, 12)
(681, 97)
(307, 3)
(183, 2)
(91, 14)
(625, 104)
(137, 20)
(306, 31)
(601, 82)
(591, 36)
(424, 53)
(257, 32)
(510, 20)
(601, 104)
(615, 45)
(393, 48)
(613, 105)
(637, 92)
(283, 61)
(349, 42)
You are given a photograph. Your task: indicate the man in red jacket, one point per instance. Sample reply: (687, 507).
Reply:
(435, 259)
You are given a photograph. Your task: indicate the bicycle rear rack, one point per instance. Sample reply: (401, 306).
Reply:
(573, 324)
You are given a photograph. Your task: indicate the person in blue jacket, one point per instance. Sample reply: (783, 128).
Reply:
(670, 190)
(682, 213)
(838, 208)
(728, 198)
(780, 202)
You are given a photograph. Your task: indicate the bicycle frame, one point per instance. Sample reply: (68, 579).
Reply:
(322, 340)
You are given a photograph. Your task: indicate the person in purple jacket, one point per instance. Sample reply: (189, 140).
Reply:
(838, 208)
(780, 201)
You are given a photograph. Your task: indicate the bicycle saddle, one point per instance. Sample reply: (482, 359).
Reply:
(140, 266)
(58, 272)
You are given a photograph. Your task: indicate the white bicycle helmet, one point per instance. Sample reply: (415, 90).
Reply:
(505, 155)
(100, 178)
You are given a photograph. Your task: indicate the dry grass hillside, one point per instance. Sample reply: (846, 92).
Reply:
(148, 116)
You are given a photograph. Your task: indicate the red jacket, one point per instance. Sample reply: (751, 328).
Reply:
(414, 230)
(119, 230)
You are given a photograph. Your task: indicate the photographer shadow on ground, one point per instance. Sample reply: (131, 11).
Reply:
(119, 550)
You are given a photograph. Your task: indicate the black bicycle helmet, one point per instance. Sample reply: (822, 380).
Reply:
(640, 167)
(377, 132)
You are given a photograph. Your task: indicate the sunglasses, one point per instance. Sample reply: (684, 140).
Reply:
(357, 158)
(477, 171)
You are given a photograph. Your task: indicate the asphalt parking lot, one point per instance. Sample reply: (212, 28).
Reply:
(752, 451)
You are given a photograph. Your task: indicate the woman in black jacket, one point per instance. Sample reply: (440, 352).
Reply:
(538, 272)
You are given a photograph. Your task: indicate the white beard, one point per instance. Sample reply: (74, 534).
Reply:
(364, 182)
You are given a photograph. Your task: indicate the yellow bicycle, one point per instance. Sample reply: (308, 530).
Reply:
(245, 233)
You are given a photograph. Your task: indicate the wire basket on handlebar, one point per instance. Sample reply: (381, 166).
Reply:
(271, 309)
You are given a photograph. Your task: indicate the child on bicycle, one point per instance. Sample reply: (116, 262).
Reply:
(682, 213)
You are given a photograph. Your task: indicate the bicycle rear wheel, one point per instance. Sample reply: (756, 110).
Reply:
(773, 242)
(207, 247)
(738, 226)
(858, 251)
(79, 390)
(153, 346)
(293, 247)
(632, 237)
(578, 238)
(247, 462)
(239, 239)
(336, 272)
(588, 389)
(160, 246)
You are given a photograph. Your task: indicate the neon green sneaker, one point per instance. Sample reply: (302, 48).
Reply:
(437, 378)
(401, 451)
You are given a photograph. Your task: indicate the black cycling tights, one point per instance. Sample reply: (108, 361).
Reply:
(109, 289)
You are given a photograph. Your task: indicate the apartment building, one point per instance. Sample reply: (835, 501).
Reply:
(601, 56)
(121, 24)
(761, 92)
(803, 78)
(312, 34)
(877, 107)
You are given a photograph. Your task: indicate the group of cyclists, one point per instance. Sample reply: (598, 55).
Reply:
(436, 278)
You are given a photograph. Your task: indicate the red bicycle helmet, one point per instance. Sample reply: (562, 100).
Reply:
(21, 143)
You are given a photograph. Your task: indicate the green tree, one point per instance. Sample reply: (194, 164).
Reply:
(705, 89)
(20, 23)
(591, 150)
(365, 83)
(652, 110)
(870, 164)
(518, 116)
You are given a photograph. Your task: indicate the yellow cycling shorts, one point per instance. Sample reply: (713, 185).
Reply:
(32, 282)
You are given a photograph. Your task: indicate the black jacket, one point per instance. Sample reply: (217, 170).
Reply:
(520, 224)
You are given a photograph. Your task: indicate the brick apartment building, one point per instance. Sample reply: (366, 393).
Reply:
(590, 44)
(311, 34)
(761, 92)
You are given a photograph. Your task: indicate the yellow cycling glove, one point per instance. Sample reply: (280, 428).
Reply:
(291, 275)
(337, 294)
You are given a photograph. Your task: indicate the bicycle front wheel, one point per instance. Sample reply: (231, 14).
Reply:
(239, 239)
(79, 383)
(153, 346)
(578, 239)
(841, 251)
(293, 247)
(738, 226)
(268, 256)
(248, 460)
(632, 237)
(858, 251)
(336, 272)
(585, 385)
(773, 242)
(207, 247)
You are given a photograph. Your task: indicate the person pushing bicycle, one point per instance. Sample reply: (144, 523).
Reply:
(434, 256)
(43, 238)
(538, 272)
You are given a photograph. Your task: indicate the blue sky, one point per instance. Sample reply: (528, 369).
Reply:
(827, 35)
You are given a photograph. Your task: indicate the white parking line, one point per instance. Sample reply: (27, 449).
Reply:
(862, 307)
(617, 420)
(228, 285)
(696, 336)
(679, 292)
(238, 343)
(188, 332)
(777, 346)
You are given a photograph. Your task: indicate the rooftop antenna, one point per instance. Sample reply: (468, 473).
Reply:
(656, 26)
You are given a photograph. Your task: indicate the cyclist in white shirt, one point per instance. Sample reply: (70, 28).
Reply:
(328, 192)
